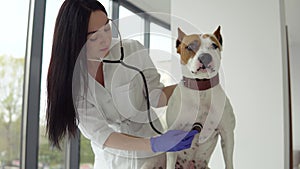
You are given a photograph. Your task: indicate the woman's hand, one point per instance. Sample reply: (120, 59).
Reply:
(172, 140)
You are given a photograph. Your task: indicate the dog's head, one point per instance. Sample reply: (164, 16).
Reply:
(200, 53)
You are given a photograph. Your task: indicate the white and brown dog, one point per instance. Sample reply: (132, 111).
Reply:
(199, 102)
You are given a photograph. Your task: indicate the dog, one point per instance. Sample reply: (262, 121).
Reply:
(199, 102)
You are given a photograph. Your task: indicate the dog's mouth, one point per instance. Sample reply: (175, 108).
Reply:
(204, 69)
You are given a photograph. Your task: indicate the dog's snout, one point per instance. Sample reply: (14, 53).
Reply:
(205, 59)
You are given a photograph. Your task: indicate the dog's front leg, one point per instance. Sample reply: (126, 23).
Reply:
(227, 143)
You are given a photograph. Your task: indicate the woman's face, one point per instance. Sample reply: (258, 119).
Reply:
(98, 36)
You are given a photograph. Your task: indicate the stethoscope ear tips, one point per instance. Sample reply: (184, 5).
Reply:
(197, 126)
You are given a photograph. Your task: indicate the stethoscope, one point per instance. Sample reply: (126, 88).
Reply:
(121, 61)
(196, 126)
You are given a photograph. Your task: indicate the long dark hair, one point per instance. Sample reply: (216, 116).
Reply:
(70, 35)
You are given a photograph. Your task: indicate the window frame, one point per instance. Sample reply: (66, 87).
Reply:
(32, 85)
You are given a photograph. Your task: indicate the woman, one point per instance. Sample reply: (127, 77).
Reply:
(120, 134)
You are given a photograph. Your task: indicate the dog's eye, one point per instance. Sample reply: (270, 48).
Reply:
(192, 47)
(214, 46)
(189, 48)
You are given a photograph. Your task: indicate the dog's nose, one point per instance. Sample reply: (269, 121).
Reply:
(205, 59)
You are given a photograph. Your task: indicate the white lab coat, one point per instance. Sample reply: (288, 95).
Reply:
(121, 107)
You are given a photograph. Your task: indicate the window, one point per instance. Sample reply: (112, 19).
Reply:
(131, 25)
(161, 52)
(12, 59)
(48, 157)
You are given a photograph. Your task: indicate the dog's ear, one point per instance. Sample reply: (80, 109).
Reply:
(218, 35)
(181, 34)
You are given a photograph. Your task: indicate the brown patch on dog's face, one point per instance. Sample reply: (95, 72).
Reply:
(188, 47)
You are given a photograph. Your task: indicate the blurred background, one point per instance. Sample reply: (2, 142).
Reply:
(260, 58)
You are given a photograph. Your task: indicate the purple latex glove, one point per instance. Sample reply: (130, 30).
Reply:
(172, 140)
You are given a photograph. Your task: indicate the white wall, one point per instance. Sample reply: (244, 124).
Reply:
(292, 19)
(252, 65)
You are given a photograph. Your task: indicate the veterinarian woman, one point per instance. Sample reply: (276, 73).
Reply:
(92, 96)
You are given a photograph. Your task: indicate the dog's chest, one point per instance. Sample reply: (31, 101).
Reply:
(187, 106)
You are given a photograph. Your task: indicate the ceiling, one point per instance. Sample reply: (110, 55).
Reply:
(153, 5)
(160, 6)
(292, 13)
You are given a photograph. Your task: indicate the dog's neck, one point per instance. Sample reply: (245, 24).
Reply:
(201, 84)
